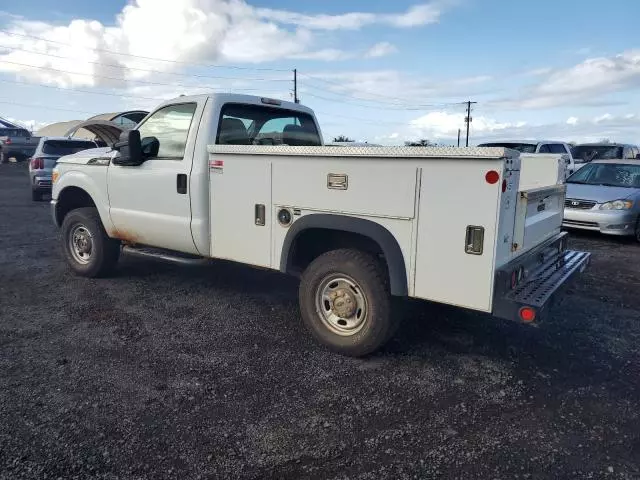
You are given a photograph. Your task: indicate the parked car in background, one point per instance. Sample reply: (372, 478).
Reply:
(604, 196)
(16, 143)
(46, 154)
(538, 146)
(587, 152)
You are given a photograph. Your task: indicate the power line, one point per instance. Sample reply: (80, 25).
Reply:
(41, 107)
(407, 108)
(401, 106)
(234, 67)
(360, 119)
(188, 75)
(16, 82)
(402, 100)
(124, 80)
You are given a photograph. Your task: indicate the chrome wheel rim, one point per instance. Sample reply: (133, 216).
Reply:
(341, 305)
(81, 244)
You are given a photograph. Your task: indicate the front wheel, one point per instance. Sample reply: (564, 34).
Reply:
(86, 246)
(345, 302)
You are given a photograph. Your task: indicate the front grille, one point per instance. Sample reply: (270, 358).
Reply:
(579, 204)
(577, 223)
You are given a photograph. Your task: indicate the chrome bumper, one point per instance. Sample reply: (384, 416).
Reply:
(547, 270)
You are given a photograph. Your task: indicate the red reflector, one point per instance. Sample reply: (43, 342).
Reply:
(492, 177)
(504, 186)
(7, 141)
(527, 314)
(216, 163)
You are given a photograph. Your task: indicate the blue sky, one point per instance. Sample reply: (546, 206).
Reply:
(384, 72)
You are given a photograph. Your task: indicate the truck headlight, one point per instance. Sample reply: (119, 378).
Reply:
(617, 205)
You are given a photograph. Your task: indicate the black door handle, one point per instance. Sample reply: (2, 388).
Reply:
(181, 183)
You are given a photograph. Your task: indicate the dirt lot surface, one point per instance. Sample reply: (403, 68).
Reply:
(165, 371)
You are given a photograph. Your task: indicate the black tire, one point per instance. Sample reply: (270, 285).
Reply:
(36, 196)
(2, 157)
(637, 232)
(378, 325)
(104, 251)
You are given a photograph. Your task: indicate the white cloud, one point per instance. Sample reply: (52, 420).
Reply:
(416, 15)
(443, 126)
(588, 82)
(393, 87)
(381, 49)
(221, 31)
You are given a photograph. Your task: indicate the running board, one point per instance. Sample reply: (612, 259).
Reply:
(165, 255)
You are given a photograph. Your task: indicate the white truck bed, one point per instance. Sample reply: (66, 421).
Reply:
(422, 196)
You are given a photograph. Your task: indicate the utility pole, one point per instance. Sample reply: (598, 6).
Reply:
(458, 137)
(468, 119)
(295, 86)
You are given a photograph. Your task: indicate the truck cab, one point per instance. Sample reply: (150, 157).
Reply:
(247, 179)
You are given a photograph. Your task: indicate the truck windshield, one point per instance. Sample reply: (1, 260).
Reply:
(65, 147)
(587, 153)
(608, 174)
(242, 124)
(520, 147)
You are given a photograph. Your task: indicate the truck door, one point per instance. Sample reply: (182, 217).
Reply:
(150, 204)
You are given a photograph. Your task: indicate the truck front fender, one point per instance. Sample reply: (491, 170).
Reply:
(367, 228)
(95, 188)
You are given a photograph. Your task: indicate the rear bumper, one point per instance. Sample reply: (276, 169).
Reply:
(546, 270)
(603, 221)
(42, 184)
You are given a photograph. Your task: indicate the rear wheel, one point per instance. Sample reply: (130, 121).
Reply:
(86, 246)
(345, 302)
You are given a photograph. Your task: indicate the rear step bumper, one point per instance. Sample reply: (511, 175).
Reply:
(547, 270)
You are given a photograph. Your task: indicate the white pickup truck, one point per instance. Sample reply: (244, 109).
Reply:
(247, 179)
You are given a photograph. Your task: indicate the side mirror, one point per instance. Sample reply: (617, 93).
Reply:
(150, 147)
(130, 149)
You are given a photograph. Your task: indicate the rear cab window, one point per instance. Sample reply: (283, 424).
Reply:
(242, 124)
(520, 147)
(61, 148)
(557, 148)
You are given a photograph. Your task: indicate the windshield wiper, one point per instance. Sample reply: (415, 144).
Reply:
(614, 185)
(577, 181)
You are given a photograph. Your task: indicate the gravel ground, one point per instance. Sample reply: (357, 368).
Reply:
(165, 371)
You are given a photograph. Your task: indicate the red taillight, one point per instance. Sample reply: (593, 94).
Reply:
(527, 314)
(37, 163)
(7, 141)
(492, 177)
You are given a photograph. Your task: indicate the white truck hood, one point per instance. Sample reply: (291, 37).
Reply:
(85, 156)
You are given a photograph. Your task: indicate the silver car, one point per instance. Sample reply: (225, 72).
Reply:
(47, 153)
(604, 196)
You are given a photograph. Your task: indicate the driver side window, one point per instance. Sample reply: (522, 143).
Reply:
(170, 125)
